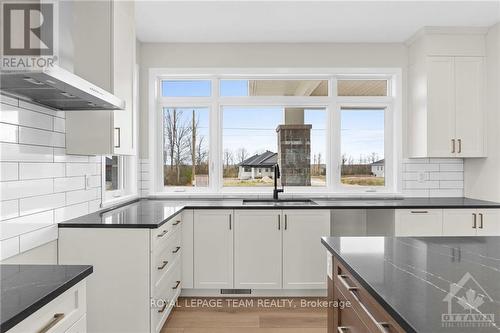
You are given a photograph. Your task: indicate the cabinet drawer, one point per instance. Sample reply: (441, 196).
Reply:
(346, 320)
(80, 326)
(163, 232)
(370, 312)
(167, 292)
(419, 222)
(59, 315)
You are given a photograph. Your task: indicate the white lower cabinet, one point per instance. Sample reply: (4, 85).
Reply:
(65, 314)
(213, 249)
(304, 256)
(418, 222)
(136, 278)
(471, 222)
(257, 249)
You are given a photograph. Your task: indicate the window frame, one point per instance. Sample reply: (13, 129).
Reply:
(331, 104)
(110, 195)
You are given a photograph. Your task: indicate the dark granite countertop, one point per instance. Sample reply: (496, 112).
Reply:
(152, 213)
(27, 288)
(412, 278)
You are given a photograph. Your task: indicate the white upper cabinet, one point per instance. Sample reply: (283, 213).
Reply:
(446, 86)
(104, 54)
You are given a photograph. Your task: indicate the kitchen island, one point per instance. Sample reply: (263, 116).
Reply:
(398, 284)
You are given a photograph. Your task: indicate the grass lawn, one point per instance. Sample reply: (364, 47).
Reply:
(363, 180)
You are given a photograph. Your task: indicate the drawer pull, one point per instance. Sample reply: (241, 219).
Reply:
(177, 283)
(419, 212)
(163, 266)
(474, 221)
(342, 278)
(163, 308)
(176, 222)
(480, 220)
(382, 326)
(342, 329)
(163, 233)
(57, 318)
(176, 249)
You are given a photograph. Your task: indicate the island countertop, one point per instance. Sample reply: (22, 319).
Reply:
(429, 284)
(26, 288)
(152, 213)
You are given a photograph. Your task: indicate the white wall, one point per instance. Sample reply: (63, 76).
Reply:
(40, 185)
(482, 176)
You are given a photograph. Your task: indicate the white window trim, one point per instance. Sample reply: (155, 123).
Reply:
(331, 103)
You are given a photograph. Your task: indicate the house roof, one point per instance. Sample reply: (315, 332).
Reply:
(379, 162)
(266, 159)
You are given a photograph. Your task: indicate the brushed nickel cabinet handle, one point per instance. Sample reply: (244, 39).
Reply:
(118, 136)
(57, 318)
(177, 248)
(176, 222)
(453, 146)
(279, 222)
(382, 326)
(286, 221)
(163, 266)
(342, 329)
(342, 278)
(459, 146)
(163, 233)
(177, 283)
(480, 220)
(230, 222)
(163, 308)
(474, 220)
(420, 212)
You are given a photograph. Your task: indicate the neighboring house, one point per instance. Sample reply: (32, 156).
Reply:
(378, 168)
(258, 166)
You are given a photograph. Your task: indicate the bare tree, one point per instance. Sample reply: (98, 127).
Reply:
(344, 159)
(242, 155)
(201, 152)
(228, 158)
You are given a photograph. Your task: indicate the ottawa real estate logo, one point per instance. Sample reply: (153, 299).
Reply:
(28, 35)
(468, 305)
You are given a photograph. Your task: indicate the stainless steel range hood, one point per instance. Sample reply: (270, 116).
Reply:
(59, 89)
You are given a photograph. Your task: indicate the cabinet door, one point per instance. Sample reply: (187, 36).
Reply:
(489, 222)
(213, 249)
(187, 248)
(123, 75)
(257, 249)
(469, 106)
(459, 222)
(440, 106)
(418, 222)
(304, 256)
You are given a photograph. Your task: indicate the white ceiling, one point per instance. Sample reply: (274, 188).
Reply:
(303, 21)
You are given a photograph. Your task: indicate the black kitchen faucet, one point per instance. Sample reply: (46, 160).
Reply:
(276, 176)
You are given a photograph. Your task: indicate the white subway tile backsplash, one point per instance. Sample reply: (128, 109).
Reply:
(9, 209)
(41, 170)
(421, 167)
(26, 188)
(410, 184)
(9, 171)
(38, 137)
(60, 156)
(456, 192)
(36, 180)
(75, 197)
(25, 153)
(7, 100)
(20, 225)
(41, 203)
(69, 184)
(8, 133)
(451, 184)
(70, 212)
(38, 237)
(81, 169)
(451, 167)
(446, 176)
(59, 125)
(9, 247)
(39, 108)
(22, 117)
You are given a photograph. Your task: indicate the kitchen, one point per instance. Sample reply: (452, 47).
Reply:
(176, 174)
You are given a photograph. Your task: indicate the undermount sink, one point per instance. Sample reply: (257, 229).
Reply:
(279, 202)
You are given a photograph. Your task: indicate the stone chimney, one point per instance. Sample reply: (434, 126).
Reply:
(294, 154)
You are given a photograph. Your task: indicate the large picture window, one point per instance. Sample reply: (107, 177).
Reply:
(327, 133)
